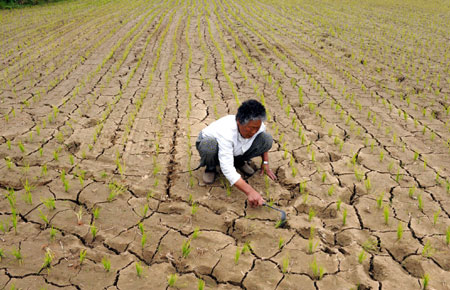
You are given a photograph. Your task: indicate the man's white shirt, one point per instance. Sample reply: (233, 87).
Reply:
(231, 143)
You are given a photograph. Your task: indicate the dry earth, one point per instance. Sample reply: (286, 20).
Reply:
(101, 104)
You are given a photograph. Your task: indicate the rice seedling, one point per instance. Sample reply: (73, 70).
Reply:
(106, 264)
(425, 280)
(317, 270)
(18, 255)
(139, 269)
(44, 170)
(82, 256)
(411, 191)
(96, 212)
(49, 203)
(237, 255)
(43, 217)
(436, 216)
(338, 204)
(386, 215)
(399, 231)
(8, 144)
(53, 233)
(331, 190)
(143, 240)
(311, 214)
(368, 184)
(428, 250)
(8, 162)
(285, 264)
(201, 284)
(194, 208)
(362, 256)
(344, 217)
(280, 243)
(47, 260)
(186, 248)
(93, 229)
(420, 202)
(21, 147)
(172, 279)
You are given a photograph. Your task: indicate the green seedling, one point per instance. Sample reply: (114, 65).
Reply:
(380, 200)
(53, 233)
(331, 190)
(386, 215)
(43, 217)
(368, 184)
(324, 177)
(82, 256)
(338, 204)
(143, 240)
(55, 155)
(420, 202)
(93, 230)
(399, 231)
(18, 255)
(194, 208)
(195, 233)
(425, 280)
(141, 228)
(96, 212)
(237, 255)
(362, 256)
(186, 248)
(2, 254)
(47, 260)
(172, 279)
(8, 144)
(318, 271)
(21, 147)
(411, 191)
(106, 264)
(312, 245)
(285, 264)
(280, 243)
(8, 162)
(311, 214)
(436, 216)
(302, 187)
(44, 170)
(49, 203)
(344, 217)
(201, 284)
(71, 160)
(381, 155)
(139, 269)
(428, 250)
(416, 155)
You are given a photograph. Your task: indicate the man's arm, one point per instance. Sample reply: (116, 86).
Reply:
(254, 198)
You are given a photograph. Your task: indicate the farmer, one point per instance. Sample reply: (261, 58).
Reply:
(231, 142)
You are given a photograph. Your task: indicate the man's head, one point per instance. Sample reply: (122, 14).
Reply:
(249, 117)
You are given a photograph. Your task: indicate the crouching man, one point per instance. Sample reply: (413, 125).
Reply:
(231, 142)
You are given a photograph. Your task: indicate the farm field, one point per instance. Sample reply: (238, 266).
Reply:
(101, 103)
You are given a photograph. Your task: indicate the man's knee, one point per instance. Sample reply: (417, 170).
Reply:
(265, 141)
(207, 146)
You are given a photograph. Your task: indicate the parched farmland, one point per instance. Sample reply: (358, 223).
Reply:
(101, 103)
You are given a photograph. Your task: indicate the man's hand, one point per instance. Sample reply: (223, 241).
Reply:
(265, 169)
(255, 199)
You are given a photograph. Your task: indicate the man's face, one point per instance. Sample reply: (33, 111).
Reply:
(248, 130)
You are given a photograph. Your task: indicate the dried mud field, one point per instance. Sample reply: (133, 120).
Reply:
(101, 103)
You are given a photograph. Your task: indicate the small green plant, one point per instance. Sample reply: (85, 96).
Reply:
(311, 214)
(53, 233)
(285, 264)
(47, 260)
(428, 250)
(344, 217)
(139, 269)
(106, 264)
(82, 256)
(420, 202)
(96, 212)
(172, 279)
(425, 280)
(49, 203)
(21, 147)
(447, 236)
(338, 204)
(411, 191)
(362, 256)
(93, 230)
(195, 233)
(318, 271)
(380, 200)
(43, 217)
(186, 248)
(201, 284)
(237, 255)
(436, 216)
(331, 190)
(386, 215)
(399, 231)
(17, 254)
(194, 208)
(280, 243)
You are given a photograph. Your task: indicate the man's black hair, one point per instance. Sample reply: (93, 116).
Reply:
(250, 110)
